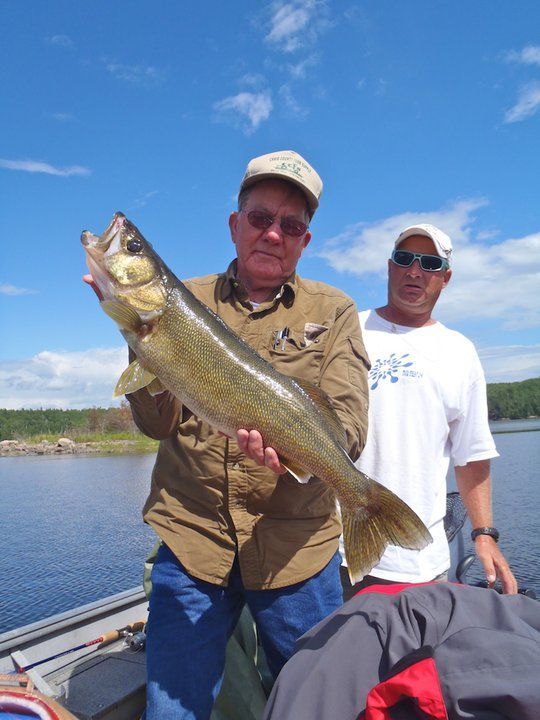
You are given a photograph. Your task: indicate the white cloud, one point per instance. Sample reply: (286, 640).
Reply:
(61, 117)
(247, 110)
(298, 70)
(136, 74)
(143, 200)
(359, 248)
(320, 92)
(62, 379)
(487, 234)
(253, 80)
(61, 41)
(498, 280)
(529, 55)
(7, 289)
(527, 105)
(382, 87)
(75, 380)
(297, 23)
(510, 363)
(36, 166)
(289, 101)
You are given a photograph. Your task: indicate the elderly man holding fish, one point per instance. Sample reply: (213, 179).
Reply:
(255, 382)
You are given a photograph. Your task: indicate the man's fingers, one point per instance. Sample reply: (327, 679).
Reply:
(485, 546)
(256, 447)
(505, 575)
(271, 460)
(495, 565)
(509, 582)
(251, 443)
(242, 437)
(89, 280)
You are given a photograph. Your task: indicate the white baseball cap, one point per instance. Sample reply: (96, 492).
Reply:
(443, 244)
(285, 165)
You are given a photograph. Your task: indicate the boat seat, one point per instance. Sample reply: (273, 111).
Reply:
(109, 686)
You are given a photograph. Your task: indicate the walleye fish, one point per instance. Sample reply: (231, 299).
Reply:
(183, 347)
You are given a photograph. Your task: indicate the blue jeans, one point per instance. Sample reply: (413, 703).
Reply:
(191, 621)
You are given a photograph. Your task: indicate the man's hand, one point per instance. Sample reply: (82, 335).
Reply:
(495, 564)
(89, 280)
(250, 442)
(474, 484)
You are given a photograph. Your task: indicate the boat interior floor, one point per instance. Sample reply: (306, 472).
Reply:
(110, 685)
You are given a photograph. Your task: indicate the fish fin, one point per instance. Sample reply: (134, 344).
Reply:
(123, 315)
(324, 402)
(383, 520)
(155, 387)
(297, 472)
(134, 377)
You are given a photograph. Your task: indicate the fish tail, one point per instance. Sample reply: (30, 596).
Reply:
(380, 519)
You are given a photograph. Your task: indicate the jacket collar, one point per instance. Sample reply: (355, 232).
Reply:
(231, 287)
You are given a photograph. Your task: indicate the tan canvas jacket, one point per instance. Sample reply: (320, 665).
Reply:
(208, 502)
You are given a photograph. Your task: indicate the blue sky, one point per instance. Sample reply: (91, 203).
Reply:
(415, 111)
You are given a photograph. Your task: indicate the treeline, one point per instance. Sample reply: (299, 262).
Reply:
(22, 424)
(505, 400)
(514, 400)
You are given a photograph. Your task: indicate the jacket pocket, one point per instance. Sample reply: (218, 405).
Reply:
(299, 354)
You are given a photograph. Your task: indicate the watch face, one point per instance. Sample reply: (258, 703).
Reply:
(491, 531)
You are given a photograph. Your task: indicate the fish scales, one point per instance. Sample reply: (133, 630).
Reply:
(235, 384)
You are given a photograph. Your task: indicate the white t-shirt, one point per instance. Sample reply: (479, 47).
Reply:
(427, 406)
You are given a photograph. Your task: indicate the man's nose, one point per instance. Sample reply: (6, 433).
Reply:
(415, 269)
(274, 233)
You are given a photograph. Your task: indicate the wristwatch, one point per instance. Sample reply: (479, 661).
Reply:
(491, 531)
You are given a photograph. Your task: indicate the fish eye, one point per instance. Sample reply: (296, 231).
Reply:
(134, 245)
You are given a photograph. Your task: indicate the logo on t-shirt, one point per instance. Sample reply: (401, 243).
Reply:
(389, 369)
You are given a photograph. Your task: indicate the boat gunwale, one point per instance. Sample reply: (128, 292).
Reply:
(20, 638)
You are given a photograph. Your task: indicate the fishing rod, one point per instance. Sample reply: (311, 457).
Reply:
(102, 639)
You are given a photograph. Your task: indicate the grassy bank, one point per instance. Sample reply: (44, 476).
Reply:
(110, 427)
(78, 443)
(109, 442)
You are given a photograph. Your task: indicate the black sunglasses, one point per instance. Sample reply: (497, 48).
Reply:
(429, 263)
(290, 226)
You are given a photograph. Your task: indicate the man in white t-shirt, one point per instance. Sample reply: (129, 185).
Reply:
(427, 408)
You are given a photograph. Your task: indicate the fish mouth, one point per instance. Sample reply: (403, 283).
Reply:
(96, 246)
(99, 244)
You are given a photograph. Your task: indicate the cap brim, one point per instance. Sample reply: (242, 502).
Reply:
(414, 230)
(312, 200)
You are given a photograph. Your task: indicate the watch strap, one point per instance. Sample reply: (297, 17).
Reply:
(491, 531)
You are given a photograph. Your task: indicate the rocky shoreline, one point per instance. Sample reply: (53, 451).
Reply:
(65, 446)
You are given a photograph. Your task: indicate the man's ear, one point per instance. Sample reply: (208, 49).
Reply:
(307, 238)
(233, 224)
(446, 277)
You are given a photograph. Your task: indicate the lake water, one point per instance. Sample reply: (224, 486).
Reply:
(72, 533)
(516, 500)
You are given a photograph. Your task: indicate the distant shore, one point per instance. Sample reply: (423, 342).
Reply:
(66, 446)
(122, 443)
